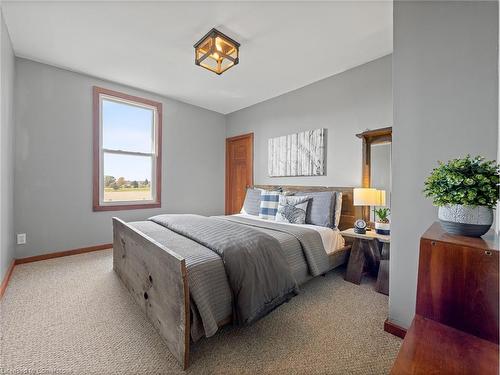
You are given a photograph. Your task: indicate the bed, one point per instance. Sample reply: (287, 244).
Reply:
(187, 291)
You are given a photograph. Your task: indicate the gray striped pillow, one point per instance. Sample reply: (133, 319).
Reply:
(321, 208)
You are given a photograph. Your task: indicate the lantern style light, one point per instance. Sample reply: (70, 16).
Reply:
(216, 52)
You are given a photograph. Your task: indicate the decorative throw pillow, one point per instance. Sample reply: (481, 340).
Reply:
(321, 208)
(251, 206)
(292, 209)
(269, 204)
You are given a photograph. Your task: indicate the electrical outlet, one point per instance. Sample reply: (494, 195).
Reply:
(21, 238)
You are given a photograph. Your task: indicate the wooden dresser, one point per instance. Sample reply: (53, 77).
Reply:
(456, 329)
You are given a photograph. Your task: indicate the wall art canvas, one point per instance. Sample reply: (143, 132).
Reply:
(299, 154)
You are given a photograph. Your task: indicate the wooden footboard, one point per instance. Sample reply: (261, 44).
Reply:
(157, 279)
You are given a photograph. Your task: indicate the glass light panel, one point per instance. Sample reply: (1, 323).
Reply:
(226, 64)
(233, 53)
(205, 47)
(127, 127)
(127, 177)
(210, 63)
(224, 46)
(200, 53)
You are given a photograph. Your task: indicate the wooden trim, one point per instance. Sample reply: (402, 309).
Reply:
(238, 137)
(6, 279)
(228, 140)
(366, 175)
(59, 254)
(95, 148)
(394, 329)
(121, 207)
(96, 206)
(376, 133)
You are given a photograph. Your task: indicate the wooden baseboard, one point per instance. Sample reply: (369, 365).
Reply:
(59, 254)
(6, 279)
(394, 329)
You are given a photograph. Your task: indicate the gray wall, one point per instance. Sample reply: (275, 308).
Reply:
(345, 104)
(53, 171)
(445, 68)
(6, 150)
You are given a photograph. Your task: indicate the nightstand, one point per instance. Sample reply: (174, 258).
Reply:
(365, 252)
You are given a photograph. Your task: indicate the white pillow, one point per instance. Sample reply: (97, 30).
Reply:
(292, 209)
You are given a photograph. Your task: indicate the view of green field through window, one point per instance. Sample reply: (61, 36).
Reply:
(121, 189)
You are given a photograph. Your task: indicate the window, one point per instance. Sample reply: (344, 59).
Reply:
(127, 151)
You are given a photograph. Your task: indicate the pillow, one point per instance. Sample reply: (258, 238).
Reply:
(338, 208)
(269, 204)
(321, 209)
(292, 209)
(251, 206)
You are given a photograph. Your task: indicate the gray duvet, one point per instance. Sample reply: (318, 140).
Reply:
(257, 270)
(208, 243)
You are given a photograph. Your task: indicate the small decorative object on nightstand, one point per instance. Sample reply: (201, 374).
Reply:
(382, 225)
(360, 226)
(366, 251)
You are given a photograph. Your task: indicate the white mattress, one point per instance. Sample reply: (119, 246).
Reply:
(332, 239)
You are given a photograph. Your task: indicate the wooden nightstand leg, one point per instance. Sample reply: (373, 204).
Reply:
(372, 254)
(382, 285)
(356, 263)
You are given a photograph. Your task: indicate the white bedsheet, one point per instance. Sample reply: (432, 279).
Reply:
(332, 239)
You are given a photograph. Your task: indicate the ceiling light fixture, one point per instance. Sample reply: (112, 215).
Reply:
(216, 52)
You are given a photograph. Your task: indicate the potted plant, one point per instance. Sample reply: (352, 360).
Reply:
(382, 225)
(466, 192)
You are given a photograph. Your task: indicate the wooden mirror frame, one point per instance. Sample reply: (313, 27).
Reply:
(369, 138)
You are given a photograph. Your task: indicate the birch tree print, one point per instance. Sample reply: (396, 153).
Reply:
(299, 154)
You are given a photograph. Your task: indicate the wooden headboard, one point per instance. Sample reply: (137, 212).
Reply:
(349, 212)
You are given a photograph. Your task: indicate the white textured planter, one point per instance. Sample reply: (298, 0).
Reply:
(383, 228)
(472, 221)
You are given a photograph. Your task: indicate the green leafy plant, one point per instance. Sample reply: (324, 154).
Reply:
(383, 214)
(469, 181)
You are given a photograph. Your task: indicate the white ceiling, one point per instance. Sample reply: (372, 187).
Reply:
(284, 45)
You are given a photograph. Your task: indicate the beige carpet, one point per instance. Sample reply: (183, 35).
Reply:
(72, 315)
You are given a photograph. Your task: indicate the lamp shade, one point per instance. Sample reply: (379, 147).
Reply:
(368, 197)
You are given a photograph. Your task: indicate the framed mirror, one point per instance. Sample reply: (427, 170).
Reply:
(376, 164)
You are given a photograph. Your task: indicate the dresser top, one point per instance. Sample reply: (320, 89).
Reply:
(489, 241)
(430, 347)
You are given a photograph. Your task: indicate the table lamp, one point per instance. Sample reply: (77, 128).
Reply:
(366, 197)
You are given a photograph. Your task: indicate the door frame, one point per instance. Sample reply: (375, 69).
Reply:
(229, 140)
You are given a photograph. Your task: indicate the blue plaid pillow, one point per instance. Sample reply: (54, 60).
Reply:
(269, 201)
